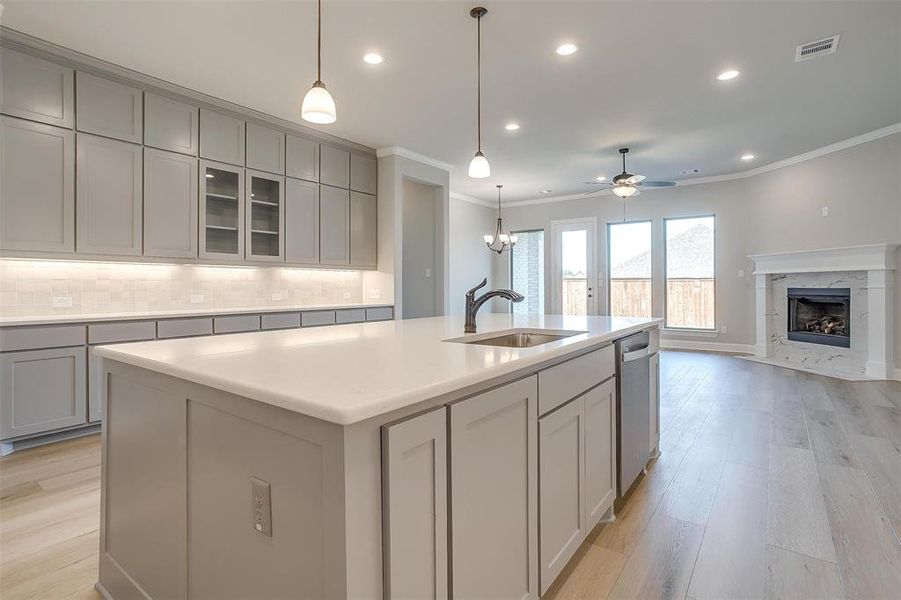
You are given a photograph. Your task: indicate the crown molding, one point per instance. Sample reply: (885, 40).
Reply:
(471, 200)
(780, 164)
(404, 153)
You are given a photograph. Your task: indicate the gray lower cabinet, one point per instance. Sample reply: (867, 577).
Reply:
(561, 437)
(171, 125)
(37, 187)
(221, 137)
(363, 230)
(380, 313)
(109, 181)
(301, 158)
(334, 166)
(265, 149)
(600, 451)
(493, 462)
(264, 231)
(170, 204)
(414, 506)
(108, 108)
(41, 390)
(301, 222)
(334, 221)
(36, 89)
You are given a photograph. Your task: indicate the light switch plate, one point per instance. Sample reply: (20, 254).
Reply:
(825, 211)
(196, 298)
(62, 301)
(261, 506)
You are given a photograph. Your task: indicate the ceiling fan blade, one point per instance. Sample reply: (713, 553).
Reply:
(596, 183)
(635, 179)
(657, 184)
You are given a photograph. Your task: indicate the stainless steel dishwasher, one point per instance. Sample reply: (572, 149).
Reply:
(633, 355)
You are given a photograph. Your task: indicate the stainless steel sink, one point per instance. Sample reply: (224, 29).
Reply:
(517, 338)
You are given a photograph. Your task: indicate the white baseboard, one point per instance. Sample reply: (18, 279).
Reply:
(896, 374)
(705, 345)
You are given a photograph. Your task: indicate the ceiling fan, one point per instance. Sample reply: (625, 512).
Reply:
(626, 184)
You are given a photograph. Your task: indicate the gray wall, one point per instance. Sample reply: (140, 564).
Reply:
(772, 212)
(420, 233)
(470, 260)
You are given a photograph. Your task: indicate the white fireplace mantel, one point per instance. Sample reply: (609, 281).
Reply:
(873, 257)
(878, 261)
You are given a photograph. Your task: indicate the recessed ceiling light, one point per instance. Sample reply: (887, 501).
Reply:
(373, 58)
(748, 157)
(567, 49)
(600, 178)
(511, 126)
(544, 191)
(727, 75)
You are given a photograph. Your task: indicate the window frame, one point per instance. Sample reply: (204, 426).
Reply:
(543, 254)
(609, 266)
(666, 324)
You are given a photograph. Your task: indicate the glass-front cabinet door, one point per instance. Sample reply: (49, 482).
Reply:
(221, 211)
(265, 210)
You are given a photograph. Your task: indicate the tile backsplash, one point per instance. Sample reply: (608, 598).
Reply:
(29, 287)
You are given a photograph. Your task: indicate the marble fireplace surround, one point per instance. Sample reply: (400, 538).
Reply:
(869, 272)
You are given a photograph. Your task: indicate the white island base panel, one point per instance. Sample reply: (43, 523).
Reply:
(358, 510)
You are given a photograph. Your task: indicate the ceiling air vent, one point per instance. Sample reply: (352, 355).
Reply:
(818, 48)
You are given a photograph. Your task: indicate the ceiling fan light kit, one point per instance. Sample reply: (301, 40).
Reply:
(626, 185)
(318, 105)
(479, 167)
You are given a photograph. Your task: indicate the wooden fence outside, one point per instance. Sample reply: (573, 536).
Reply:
(690, 302)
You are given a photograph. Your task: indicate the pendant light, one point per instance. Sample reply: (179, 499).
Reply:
(479, 167)
(318, 105)
(501, 240)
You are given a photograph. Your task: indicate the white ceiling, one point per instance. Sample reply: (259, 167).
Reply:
(643, 76)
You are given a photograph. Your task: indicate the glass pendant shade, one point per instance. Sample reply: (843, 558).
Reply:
(624, 191)
(479, 167)
(318, 105)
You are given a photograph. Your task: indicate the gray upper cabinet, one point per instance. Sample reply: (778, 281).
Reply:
(221, 211)
(363, 230)
(265, 149)
(35, 89)
(265, 210)
(334, 166)
(221, 137)
(363, 173)
(414, 506)
(171, 125)
(170, 204)
(302, 158)
(494, 461)
(109, 181)
(108, 108)
(42, 390)
(334, 217)
(37, 187)
(301, 222)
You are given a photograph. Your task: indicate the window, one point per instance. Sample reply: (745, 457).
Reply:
(689, 273)
(629, 268)
(527, 272)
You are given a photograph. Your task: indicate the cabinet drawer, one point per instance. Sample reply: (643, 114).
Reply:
(236, 324)
(172, 328)
(567, 380)
(350, 315)
(318, 317)
(33, 338)
(108, 333)
(380, 313)
(281, 321)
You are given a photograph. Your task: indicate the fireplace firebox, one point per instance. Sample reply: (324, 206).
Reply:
(820, 316)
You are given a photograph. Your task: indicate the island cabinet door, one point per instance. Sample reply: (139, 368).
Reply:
(562, 522)
(414, 505)
(600, 451)
(494, 493)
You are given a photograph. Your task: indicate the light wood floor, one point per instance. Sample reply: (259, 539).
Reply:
(771, 483)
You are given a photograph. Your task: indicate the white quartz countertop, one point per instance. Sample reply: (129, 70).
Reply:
(15, 321)
(348, 373)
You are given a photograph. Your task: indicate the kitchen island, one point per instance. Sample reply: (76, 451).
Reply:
(391, 459)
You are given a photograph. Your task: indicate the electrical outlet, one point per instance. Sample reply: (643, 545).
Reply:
(277, 296)
(62, 301)
(261, 506)
(345, 295)
(375, 293)
(741, 272)
(825, 211)
(724, 329)
(196, 298)
(428, 272)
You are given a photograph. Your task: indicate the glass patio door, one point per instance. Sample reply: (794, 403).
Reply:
(575, 272)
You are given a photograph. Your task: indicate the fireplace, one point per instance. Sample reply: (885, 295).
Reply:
(820, 316)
